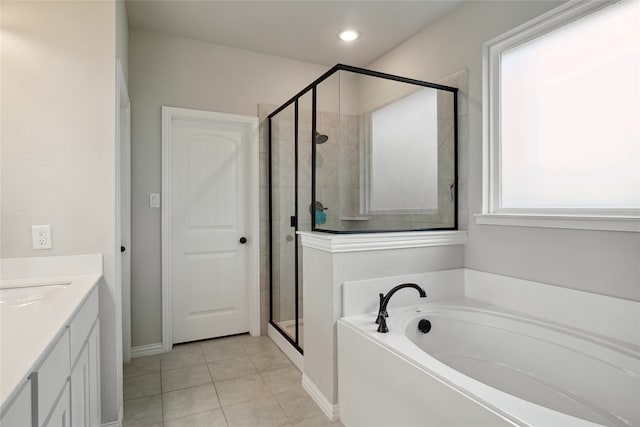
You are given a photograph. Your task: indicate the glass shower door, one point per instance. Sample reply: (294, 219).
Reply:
(303, 208)
(283, 237)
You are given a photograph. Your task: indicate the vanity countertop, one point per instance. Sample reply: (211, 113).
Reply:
(32, 317)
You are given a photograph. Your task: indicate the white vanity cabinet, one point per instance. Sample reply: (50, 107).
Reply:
(79, 402)
(50, 380)
(50, 364)
(60, 415)
(85, 369)
(93, 345)
(64, 388)
(19, 413)
(85, 383)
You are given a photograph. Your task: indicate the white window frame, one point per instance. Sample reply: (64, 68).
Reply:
(492, 214)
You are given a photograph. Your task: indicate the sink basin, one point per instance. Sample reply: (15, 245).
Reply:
(30, 295)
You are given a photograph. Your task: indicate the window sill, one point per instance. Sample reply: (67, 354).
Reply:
(572, 222)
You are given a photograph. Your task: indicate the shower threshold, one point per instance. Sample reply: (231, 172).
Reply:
(281, 334)
(289, 328)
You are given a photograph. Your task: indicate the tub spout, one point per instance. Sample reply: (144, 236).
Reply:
(384, 301)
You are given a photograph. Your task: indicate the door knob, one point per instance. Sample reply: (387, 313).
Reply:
(122, 249)
(243, 240)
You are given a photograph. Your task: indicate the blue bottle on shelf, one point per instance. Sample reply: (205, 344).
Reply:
(321, 217)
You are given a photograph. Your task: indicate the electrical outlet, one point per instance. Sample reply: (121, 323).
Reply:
(41, 236)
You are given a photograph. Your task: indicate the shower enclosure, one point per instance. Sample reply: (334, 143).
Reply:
(356, 151)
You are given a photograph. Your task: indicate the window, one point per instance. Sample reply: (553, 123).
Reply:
(404, 154)
(562, 123)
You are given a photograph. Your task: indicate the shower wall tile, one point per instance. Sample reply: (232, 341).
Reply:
(327, 124)
(264, 221)
(263, 165)
(286, 309)
(283, 124)
(264, 306)
(446, 159)
(304, 204)
(352, 124)
(349, 168)
(460, 80)
(304, 170)
(353, 146)
(275, 291)
(283, 160)
(304, 117)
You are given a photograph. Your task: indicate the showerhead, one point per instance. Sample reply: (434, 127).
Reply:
(320, 139)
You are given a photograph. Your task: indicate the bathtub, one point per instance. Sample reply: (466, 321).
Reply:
(482, 365)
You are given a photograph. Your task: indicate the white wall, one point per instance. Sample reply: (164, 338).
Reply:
(166, 70)
(122, 37)
(594, 261)
(57, 153)
(323, 276)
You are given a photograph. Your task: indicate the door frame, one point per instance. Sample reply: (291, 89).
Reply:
(123, 331)
(123, 144)
(253, 217)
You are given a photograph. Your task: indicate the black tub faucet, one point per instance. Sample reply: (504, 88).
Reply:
(384, 301)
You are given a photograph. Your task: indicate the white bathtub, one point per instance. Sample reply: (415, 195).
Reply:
(482, 365)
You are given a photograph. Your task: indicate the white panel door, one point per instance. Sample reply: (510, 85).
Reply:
(208, 186)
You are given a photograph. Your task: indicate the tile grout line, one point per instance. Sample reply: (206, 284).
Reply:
(161, 403)
(161, 394)
(213, 383)
(262, 351)
(283, 411)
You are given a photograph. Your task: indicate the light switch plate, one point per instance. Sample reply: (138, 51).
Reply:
(41, 236)
(154, 200)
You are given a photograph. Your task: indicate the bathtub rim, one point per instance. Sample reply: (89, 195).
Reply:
(512, 408)
(400, 321)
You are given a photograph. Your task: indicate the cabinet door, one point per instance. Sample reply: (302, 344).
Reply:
(19, 413)
(60, 415)
(80, 390)
(52, 376)
(94, 375)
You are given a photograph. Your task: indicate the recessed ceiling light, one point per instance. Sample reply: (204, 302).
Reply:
(348, 35)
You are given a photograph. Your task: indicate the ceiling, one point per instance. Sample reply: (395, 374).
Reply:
(296, 29)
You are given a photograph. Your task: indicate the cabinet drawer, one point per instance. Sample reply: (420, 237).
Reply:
(82, 323)
(52, 376)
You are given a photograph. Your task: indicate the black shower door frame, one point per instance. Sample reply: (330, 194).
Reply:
(312, 87)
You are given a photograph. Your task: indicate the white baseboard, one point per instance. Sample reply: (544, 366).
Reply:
(286, 347)
(332, 411)
(112, 424)
(146, 350)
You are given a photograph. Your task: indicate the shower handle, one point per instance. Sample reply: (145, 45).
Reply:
(317, 206)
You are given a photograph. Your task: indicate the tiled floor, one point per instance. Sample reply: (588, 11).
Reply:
(234, 381)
